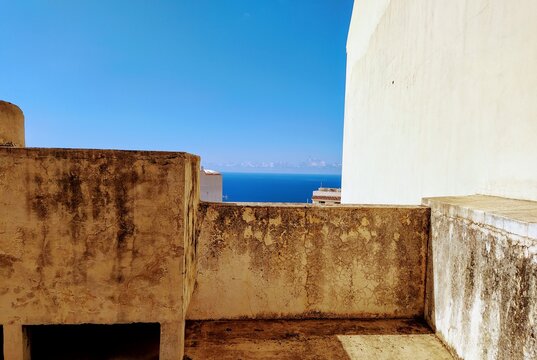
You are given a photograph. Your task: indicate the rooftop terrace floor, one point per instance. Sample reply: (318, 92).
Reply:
(312, 339)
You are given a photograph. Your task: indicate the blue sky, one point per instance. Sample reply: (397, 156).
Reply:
(246, 84)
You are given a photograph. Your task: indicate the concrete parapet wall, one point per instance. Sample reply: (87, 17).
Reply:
(299, 261)
(11, 125)
(482, 276)
(94, 236)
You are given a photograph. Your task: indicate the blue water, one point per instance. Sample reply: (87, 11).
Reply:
(297, 188)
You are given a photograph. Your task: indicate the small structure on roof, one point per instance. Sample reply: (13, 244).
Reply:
(210, 185)
(326, 196)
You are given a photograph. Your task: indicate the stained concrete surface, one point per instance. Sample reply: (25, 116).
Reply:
(312, 339)
(96, 236)
(11, 125)
(482, 276)
(513, 216)
(268, 261)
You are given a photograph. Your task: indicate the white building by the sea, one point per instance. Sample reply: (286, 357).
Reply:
(210, 185)
(326, 196)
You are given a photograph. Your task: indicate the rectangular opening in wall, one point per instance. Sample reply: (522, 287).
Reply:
(89, 341)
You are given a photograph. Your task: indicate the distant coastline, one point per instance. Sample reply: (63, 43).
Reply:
(311, 166)
(274, 187)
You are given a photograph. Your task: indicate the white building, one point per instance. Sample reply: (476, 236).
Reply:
(326, 196)
(441, 99)
(210, 185)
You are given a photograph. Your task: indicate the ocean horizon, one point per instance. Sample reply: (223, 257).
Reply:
(272, 187)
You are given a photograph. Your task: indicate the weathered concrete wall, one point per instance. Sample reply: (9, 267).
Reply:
(11, 125)
(482, 282)
(285, 261)
(91, 236)
(440, 100)
(190, 202)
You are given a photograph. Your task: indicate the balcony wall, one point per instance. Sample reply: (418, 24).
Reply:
(11, 125)
(482, 276)
(297, 261)
(94, 236)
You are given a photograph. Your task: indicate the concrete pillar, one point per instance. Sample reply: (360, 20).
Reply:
(11, 125)
(16, 344)
(172, 340)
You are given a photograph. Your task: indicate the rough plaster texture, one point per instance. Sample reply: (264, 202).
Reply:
(11, 125)
(91, 236)
(285, 261)
(483, 267)
(440, 100)
(16, 345)
(313, 339)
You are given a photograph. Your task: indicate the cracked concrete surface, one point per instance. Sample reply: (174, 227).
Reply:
(98, 237)
(299, 261)
(483, 276)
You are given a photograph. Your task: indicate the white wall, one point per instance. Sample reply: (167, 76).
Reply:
(210, 187)
(441, 99)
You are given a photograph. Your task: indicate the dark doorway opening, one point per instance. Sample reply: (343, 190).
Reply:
(92, 342)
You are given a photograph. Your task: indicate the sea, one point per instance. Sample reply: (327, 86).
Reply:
(256, 187)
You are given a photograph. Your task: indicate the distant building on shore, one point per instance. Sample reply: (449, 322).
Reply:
(326, 196)
(210, 185)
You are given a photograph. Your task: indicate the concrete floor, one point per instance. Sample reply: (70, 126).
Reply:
(312, 339)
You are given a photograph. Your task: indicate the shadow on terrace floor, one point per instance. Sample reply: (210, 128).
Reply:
(312, 339)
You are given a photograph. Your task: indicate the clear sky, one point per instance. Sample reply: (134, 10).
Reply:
(243, 83)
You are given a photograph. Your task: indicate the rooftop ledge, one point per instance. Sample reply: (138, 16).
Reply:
(97, 153)
(517, 217)
(309, 205)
